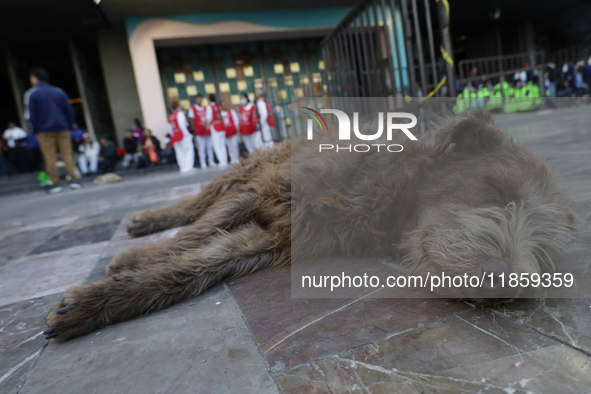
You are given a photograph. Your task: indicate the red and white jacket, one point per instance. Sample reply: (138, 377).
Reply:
(176, 134)
(265, 114)
(213, 117)
(231, 122)
(248, 119)
(197, 113)
(177, 124)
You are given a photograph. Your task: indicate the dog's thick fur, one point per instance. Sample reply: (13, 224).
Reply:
(467, 200)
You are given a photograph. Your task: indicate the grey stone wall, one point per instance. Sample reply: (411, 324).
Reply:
(119, 78)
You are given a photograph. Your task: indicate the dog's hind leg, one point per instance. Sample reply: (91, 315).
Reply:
(188, 273)
(183, 212)
(223, 217)
(191, 209)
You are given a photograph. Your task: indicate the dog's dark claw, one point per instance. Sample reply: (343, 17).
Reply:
(49, 331)
(51, 335)
(116, 277)
(64, 310)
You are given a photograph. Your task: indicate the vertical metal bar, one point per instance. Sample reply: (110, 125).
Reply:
(355, 62)
(542, 86)
(419, 47)
(342, 80)
(431, 44)
(409, 53)
(214, 74)
(379, 45)
(361, 30)
(360, 62)
(164, 86)
(389, 49)
(339, 71)
(352, 77)
(499, 46)
(335, 60)
(348, 83)
(329, 68)
(81, 89)
(397, 46)
(446, 39)
(333, 73)
(310, 77)
(373, 67)
(326, 60)
(18, 100)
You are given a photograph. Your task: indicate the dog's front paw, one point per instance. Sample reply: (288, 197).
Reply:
(69, 319)
(64, 323)
(127, 260)
(140, 224)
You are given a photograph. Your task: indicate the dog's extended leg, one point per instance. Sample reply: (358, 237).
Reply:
(187, 274)
(223, 217)
(191, 209)
(183, 212)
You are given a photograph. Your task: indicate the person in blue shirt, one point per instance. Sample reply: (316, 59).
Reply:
(52, 117)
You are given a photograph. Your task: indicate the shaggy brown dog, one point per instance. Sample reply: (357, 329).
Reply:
(468, 200)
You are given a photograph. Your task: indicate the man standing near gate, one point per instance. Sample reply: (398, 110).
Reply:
(52, 117)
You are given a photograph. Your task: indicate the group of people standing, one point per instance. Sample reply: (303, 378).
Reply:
(216, 130)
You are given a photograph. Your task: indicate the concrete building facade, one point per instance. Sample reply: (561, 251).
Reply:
(227, 54)
(120, 60)
(143, 60)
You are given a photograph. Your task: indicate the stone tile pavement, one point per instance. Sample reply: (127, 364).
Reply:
(250, 336)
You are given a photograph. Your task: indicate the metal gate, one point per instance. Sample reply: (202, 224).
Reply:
(391, 48)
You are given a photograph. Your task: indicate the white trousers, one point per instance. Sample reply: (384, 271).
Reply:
(218, 141)
(233, 149)
(205, 148)
(267, 136)
(83, 164)
(185, 154)
(129, 158)
(253, 141)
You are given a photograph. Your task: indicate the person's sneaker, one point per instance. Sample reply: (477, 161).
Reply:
(55, 190)
(75, 185)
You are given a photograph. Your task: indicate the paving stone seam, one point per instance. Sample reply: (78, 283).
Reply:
(425, 376)
(335, 354)
(320, 318)
(25, 377)
(519, 351)
(503, 358)
(545, 334)
(18, 344)
(344, 386)
(252, 337)
(472, 307)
